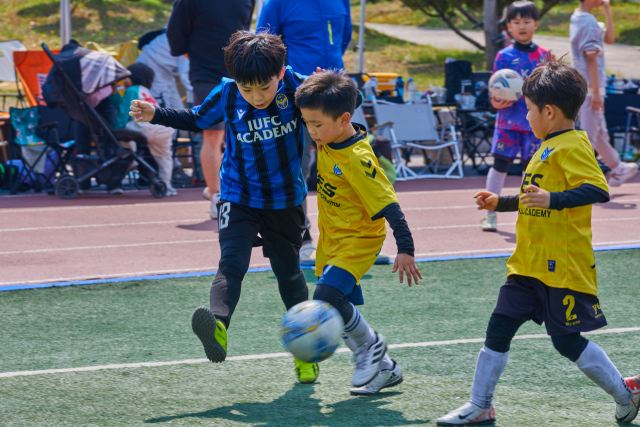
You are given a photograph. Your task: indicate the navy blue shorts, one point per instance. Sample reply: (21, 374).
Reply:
(563, 311)
(344, 281)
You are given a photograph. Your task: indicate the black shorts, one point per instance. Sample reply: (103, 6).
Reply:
(280, 230)
(201, 90)
(563, 311)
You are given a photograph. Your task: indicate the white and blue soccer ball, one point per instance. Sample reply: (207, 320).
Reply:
(312, 331)
(506, 84)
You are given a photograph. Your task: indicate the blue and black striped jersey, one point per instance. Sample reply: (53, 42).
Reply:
(261, 165)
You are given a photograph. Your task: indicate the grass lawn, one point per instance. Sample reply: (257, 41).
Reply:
(626, 16)
(149, 321)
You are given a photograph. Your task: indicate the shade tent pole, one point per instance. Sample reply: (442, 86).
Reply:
(361, 38)
(65, 21)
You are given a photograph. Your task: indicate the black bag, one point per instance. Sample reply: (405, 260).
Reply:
(458, 74)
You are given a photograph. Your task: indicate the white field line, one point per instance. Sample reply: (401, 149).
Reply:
(509, 250)
(123, 275)
(278, 355)
(131, 205)
(83, 248)
(120, 224)
(439, 227)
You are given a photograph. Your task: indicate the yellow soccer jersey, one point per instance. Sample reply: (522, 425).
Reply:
(352, 189)
(555, 246)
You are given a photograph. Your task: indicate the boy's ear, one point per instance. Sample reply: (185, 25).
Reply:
(345, 119)
(550, 111)
(536, 25)
(281, 76)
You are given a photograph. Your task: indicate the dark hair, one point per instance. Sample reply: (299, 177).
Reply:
(254, 58)
(331, 92)
(526, 9)
(141, 74)
(558, 84)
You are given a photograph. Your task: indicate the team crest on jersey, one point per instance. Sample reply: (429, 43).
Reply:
(546, 153)
(515, 61)
(282, 101)
(240, 112)
(337, 170)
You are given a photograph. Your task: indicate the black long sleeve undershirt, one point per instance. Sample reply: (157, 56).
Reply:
(183, 119)
(394, 216)
(584, 195)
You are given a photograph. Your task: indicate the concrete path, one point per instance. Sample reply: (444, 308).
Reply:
(622, 60)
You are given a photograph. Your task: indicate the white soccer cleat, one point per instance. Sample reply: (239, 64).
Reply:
(490, 222)
(213, 211)
(627, 413)
(386, 378)
(206, 194)
(622, 174)
(368, 359)
(308, 254)
(468, 415)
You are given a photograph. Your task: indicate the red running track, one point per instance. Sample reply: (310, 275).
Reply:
(97, 236)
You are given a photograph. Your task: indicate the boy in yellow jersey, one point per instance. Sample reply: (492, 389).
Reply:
(552, 273)
(354, 198)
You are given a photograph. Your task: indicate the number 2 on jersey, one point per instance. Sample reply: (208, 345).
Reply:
(571, 302)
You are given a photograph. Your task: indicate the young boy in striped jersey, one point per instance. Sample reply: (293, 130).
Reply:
(552, 277)
(262, 186)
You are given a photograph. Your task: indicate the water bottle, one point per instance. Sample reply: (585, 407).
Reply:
(411, 90)
(400, 87)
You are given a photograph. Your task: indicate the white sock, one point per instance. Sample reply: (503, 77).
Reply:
(595, 364)
(358, 330)
(488, 370)
(495, 181)
(387, 363)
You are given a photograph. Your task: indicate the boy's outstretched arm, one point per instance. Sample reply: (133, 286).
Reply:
(492, 202)
(405, 261)
(183, 119)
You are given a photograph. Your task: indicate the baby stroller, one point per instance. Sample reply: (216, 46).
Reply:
(76, 74)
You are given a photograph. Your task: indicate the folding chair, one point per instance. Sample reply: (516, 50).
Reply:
(412, 126)
(37, 145)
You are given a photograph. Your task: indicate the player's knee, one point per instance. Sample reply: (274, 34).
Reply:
(336, 298)
(286, 269)
(230, 268)
(501, 165)
(500, 332)
(570, 346)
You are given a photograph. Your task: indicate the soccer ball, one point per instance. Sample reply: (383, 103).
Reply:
(311, 331)
(506, 84)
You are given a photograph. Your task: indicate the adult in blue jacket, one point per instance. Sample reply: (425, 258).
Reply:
(317, 34)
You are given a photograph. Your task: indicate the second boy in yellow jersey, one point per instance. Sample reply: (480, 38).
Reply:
(551, 275)
(354, 199)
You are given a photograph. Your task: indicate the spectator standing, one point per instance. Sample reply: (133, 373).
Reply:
(157, 55)
(317, 34)
(200, 29)
(587, 37)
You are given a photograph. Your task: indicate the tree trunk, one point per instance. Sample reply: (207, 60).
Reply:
(490, 31)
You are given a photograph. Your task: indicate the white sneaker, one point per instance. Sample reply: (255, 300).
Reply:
(308, 254)
(368, 359)
(171, 191)
(213, 210)
(490, 222)
(622, 174)
(468, 415)
(627, 413)
(386, 378)
(206, 194)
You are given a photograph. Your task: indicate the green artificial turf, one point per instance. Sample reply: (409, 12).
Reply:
(150, 321)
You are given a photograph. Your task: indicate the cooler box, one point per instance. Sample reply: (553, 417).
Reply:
(386, 81)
